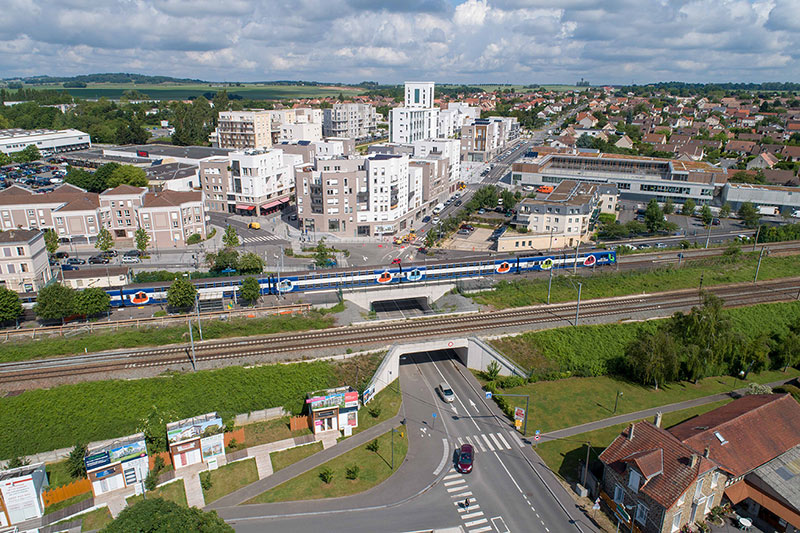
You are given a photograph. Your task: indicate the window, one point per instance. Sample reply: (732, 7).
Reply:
(23, 267)
(641, 513)
(633, 481)
(698, 490)
(714, 479)
(709, 504)
(676, 522)
(619, 494)
(20, 250)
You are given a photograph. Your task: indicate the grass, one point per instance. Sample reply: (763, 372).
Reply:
(282, 459)
(570, 402)
(93, 520)
(66, 503)
(388, 401)
(563, 455)
(138, 337)
(270, 431)
(229, 478)
(174, 492)
(58, 474)
(714, 271)
(374, 468)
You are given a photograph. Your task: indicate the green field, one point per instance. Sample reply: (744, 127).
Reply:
(229, 478)
(174, 492)
(176, 91)
(284, 458)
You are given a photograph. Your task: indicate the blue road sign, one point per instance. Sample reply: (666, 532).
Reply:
(488, 395)
(433, 415)
(538, 431)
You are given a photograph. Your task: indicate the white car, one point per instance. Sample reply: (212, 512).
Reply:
(446, 392)
(435, 220)
(130, 259)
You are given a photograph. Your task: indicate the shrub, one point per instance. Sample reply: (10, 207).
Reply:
(326, 475)
(374, 446)
(375, 411)
(205, 480)
(232, 445)
(158, 464)
(160, 313)
(492, 371)
(151, 481)
(194, 238)
(75, 465)
(352, 472)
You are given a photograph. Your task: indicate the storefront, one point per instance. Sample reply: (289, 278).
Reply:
(334, 410)
(120, 464)
(21, 494)
(195, 440)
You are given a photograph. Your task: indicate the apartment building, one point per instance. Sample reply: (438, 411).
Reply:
(311, 151)
(249, 182)
(483, 138)
(354, 121)
(24, 265)
(637, 178)
(418, 119)
(47, 141)
(242, 130)
(562, 219)
(300, 131)
(454, 117)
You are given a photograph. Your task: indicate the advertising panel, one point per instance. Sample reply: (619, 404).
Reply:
(105, 473)
(519, 413)
(336, 399)
(21, 499)
(193, 429)
(96, 460)
(213, 446)
(351, 399)
(128, 451)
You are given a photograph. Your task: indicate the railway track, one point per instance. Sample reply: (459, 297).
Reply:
(660, 304)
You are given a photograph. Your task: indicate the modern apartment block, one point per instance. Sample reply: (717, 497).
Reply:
(299, 124)
(248, 182)
(454, 117)
(24, 266)
(47, 141)
(354, 121)
(241, 130)
(562, 219)
(418, 119)
(311, 151)
(484, 138)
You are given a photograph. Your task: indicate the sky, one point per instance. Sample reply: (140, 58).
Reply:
(389, 41)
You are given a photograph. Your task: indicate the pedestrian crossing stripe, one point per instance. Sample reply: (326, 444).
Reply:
(484, 442)
(262, 238)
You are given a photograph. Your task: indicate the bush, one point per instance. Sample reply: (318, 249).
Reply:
(232, 445)
(160, 313)
(158, 464)
(205, 480)
(788, 389)
(374, 446)
(352, 472)
(375, 411)
(194, 238)
(326, 475)
(151, 481)
(75, 465)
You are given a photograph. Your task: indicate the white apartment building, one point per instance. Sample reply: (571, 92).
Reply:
(300, 131)
(24, 266)
(418, 119)
(447, 149)
(249, 182)
(456, 115)
(356, 121)
(47, 141)
(240, 130)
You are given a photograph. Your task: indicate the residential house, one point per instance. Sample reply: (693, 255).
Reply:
(624, 142)
(654, 138)
(741, 147)
(24, 266)
(762, 160)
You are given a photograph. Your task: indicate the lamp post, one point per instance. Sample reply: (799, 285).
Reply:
(758, 266)
(616, 400)
(740, 375)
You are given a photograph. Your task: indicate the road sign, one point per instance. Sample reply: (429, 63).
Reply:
(519, 413)
(433, 415)
(537, 435)
(488, 395)
(518, 423)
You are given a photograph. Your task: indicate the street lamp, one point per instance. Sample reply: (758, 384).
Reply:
(616, 400)
(740, 375)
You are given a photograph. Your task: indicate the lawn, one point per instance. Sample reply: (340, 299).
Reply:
(93, 520)
(563, 455)
(270, 431)
(66, 503)
(573, 401)
(385, 405)
(374, 468)
(139, 337)
(282, 459)
(58, 474)
(608, 283)
(229, 478)
(174, 491)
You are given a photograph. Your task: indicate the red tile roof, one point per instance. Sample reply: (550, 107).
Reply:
(168, 198)
(746, 433)
(123, 189)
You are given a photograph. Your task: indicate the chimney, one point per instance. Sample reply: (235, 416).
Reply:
(657, 420)
(630, 432)
(706, 452)
(694, 460)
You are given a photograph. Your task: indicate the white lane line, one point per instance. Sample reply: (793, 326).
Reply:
(476, 522)
(515, 437)
(454, 482)
(505, 443)
(472, 515)
(488, 444)
(496, 442)
(509, 474)
(481, 529)
(444, 458)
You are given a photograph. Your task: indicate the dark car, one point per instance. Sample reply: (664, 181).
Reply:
(53, 261)
(69, 267)
(466, 458)
(426, 219)
(458, 203)
(715, 222)
(108, 253)
(422, 250)
(76, 261)
(61, 255)
(98, 260)
(133, 253)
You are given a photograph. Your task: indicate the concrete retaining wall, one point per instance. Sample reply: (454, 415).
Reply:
(260, 416)
(429, 291)
(480, 355)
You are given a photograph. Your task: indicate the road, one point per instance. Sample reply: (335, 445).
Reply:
(427, 493)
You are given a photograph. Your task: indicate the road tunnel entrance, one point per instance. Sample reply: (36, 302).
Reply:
(401, 308)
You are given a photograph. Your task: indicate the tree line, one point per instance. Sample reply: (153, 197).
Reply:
(107, 176)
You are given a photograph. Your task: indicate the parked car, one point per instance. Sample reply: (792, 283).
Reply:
(466, 458)
(76, 261)
(69, 267)
(661, 245)
(458, 203)
(133, 253)
(130, 259)
(435, 220)
(61, 255)
(98, 260)
(645, 246)
(108, 253)
(446, 392)
(426, 219)
(396, 261)
(481, 211)
(463, 232)
(254, 225)
(422, 250)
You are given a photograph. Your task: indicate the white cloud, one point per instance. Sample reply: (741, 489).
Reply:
(471, 13)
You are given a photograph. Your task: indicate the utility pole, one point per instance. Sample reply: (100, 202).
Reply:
(575, 264)
(549, 284)
(586, 466)
(197, 308)
(550, 247)
(578, 306)
(758, 267)
(755, 240)
(708, 237)
(191, 341)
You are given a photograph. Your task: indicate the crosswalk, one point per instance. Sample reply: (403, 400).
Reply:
(474, 520)
(491, 441)
(261, 238)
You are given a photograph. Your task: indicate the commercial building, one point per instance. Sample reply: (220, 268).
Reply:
(47, 141)
(109, 276)
(354, 121)
(250, 181)
(240, 130)
(155, 154)
(418, 119)
(785, 199)
(172, 176)
(24, 266)
(21, 494)
(195, 440)
(637, 178)
(562, 219)
(122, 463)
(333, 410)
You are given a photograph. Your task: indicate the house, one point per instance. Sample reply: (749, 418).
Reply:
(565, 141)
(763, 160)
(654, 138)
(781, 177)
(741, 147)
(624, 142)
(586, 120)
(791, 153)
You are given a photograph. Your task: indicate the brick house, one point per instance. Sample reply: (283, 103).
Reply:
(656, 483)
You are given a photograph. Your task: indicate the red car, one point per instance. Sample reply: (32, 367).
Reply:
(396, 261)
(466, 458)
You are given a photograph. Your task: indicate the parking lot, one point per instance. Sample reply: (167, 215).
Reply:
(40, 177)
(476, 241)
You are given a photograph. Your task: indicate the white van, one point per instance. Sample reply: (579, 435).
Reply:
(438, 208)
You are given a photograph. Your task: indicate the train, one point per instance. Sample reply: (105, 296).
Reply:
(155, 293)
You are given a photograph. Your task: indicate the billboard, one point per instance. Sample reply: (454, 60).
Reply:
(128, 451)
(21, 499)
(336, 399)
(213, 446)
(193, 429)
(96, 460)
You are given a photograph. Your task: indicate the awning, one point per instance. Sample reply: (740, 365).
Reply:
(245, 207)
(274, 203)
(741, 490)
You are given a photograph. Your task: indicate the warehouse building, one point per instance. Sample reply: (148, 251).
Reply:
(47, 141)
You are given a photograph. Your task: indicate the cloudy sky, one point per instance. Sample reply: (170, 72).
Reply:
(503, 41)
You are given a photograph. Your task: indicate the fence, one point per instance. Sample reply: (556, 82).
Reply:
(164, 455)
(65, 492)
(161, 321)
(299, 422)
(237, 435)
(260, 416)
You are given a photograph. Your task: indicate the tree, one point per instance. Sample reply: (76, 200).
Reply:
(250, 263)
(27, 154)
(142, 240)
(105, 241)
(103, 174)
(688, 207)
(155, 515)
(10, 305)
(706, 215)
(54, 302)
(91, 301)
(250, 290)
(654, 357)
(91, 181)
(231, 238)
(430, 239)
(725, 210)
(322, 254)
(509, 200)
(787, 350)
(653, 216)
(75, 465)
(669, 207)
(223, 259)
(128, 175)
(180, 294)
(749, 214)
(585, 141)
(50, 241)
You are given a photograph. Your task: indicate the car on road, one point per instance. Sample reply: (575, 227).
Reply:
(458, 203)
(69, 267)
(254, 225)
(61, 255)
(422, 250)
(396, 261)
(130, 259)
(108, 253)
(466, 459)
(133, 253)
(446, 392)
(645, 246)
(435, 220)
(742, 237)
(98, 260)
(426, 219)
(661, 245)
(76, 261)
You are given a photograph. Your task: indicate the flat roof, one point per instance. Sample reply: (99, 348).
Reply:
(170, 171)
(166, 150)
(130, 439)
(19, 133)
(108, 271)
(20, 471)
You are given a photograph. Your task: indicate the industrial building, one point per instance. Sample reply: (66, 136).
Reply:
(47, 141)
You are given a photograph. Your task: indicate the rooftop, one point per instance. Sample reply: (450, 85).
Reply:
(160, 151)
(782, 474)
(170, 171)
(18, 235)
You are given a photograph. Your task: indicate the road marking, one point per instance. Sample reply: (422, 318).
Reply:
(501, 527)
(505, 443)
(488, 444)
(453, 489)
(444, 458)
(473, 404)
(453, 407)
(471, 515)
(497, 442)
(476, 522)
(509, 474)
(481, 529)
(451, 476)
(454, 482)
(515, 436)
(471, 506)
(464, 494)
